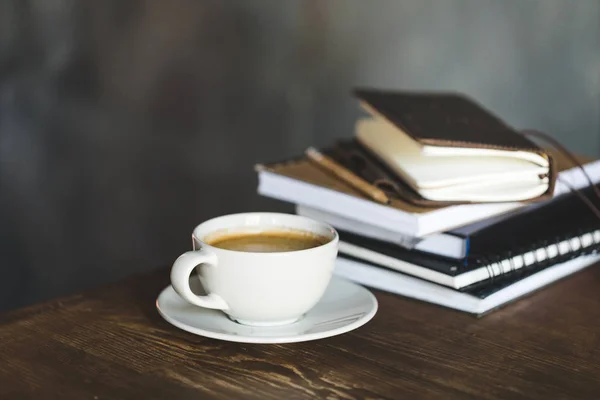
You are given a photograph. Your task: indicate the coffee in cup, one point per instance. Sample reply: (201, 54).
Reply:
(269, 241)
(262, 269)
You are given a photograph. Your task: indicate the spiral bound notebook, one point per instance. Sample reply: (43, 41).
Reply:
(480, 270)
(562, 229)
(476, 300)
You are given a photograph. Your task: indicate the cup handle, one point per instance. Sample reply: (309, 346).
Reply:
(180, 276)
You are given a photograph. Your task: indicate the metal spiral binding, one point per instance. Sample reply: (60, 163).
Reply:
(522, 252)
(547, 261)
(511, 261)
(560, 256)
(484, 261)
(495, 259)
(539, 262)
(572, 252)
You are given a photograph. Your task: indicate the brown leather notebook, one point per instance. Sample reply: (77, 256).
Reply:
(449, 149)
(353, 156)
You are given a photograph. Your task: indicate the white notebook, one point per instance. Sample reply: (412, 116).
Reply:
(293, 187)
(446, 244)
(456, 174)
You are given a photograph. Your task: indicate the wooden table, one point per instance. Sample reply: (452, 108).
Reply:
(110, 343)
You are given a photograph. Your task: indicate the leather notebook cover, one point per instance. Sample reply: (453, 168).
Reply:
(444, 119)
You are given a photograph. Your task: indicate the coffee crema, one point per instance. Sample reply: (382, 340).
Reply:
(269, 242)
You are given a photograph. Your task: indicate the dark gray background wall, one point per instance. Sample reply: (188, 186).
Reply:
(124, 123)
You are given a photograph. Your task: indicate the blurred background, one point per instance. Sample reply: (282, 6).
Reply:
(124, 123)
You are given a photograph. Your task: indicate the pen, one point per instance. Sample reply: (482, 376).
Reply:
(347, 176)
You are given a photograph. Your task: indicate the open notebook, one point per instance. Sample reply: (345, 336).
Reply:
(449, 148)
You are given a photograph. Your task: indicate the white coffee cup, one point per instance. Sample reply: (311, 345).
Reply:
(252, 288)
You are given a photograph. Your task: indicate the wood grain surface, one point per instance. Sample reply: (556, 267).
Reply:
(110, 343)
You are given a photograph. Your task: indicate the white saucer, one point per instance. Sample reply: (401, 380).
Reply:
(345, 306)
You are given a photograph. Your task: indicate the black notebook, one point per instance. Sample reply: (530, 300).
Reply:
(552, 233)
(479, 299)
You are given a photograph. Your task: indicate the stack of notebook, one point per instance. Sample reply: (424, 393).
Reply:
(471, 214)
